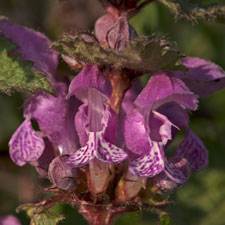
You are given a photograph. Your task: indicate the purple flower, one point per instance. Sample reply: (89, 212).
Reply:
(9, 220)
(191, 154)
(96, 122)
(158, 114)
(54, 114)
(147, 130)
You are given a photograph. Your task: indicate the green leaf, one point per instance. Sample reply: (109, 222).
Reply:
(165, 220)
(193, 11)
(144, 55)
(39, 216)
(17, 75)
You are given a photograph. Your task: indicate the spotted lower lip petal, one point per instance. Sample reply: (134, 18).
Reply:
(26, 145)
(96, 124)
(85, 154)
(110, 153)
(150, 164)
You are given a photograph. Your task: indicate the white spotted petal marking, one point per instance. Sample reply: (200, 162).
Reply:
(96, 147)
(150, 164)
(26, 145)
(109, 153)
(85, 154)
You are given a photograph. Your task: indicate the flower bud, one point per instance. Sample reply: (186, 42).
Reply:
(62, 175)
(120, 34)
(102, 26)
(116, 32)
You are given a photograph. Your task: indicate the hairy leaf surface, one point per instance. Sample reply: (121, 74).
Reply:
(17, 75)
(144, 55)
(39, 216)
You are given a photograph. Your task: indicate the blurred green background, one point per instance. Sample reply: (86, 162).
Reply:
(199, 202)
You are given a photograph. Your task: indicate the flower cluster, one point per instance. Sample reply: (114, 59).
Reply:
(79, 128)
